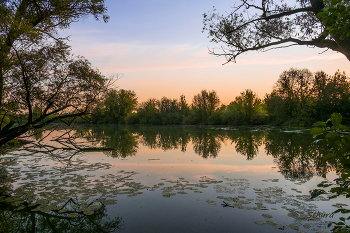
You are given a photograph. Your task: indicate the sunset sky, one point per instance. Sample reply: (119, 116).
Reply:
(158, 47)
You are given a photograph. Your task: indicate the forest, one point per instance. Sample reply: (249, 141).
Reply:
(298, 98)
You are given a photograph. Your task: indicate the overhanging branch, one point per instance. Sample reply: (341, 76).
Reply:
(276, 16)
(319, 42)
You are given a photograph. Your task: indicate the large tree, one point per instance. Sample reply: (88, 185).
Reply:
(27, 23)
(40, 82)
(291, 96)
(115, 106)
(248, 105)
(46, 85)
(277, 24)
(204, 104)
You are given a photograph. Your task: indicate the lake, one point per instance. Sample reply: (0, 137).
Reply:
(169, 179)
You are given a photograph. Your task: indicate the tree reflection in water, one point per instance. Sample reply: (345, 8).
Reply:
(118, 142)
(207, 143)
(248, 143)
(29, 208)
(294, 153)
(14, 219)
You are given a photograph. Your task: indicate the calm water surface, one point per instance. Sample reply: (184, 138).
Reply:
(167, 179)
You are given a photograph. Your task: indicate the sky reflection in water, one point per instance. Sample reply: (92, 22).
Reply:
(171, 179)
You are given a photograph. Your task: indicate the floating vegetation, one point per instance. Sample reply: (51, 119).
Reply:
(267, 216)
(211, 202)
(339, 205)
(182, 192)
(294, 131)
(271, 223)
(165, 194)
(294, 227)
(224, 189)
(73, 215)
(239, 185)
(78, 190)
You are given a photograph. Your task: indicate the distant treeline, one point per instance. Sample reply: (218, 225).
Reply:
(298, 98)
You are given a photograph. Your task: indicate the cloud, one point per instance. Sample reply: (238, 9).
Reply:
(137, 56)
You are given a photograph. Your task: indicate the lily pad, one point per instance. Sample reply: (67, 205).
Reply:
(267, 216)
(211, 202)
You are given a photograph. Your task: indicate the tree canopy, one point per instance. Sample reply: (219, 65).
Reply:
(46, 85)
(335, 17)
(27, 23)
(115, 107)
(40, 81)
(279, 24)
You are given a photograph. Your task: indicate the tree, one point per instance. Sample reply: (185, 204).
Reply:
(39, 80)
(248, 105)
(46, 85)
(335, 17)
(31, 23)
(336, 139)
(184, 109)
(278, 24)
(149, 113)
(204, 104)
(294, 88)
(115, 107)
(294, 83)
(169, 110)
(332, 94)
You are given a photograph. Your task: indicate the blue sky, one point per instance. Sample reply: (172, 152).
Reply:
(158, 47)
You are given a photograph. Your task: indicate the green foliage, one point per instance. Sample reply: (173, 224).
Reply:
(335, 17)
(337, 139)
(39, 79)
(248, 105)
(149, 113)
(231, 116)
(132, 118)
(44, 85)
(115, 107)
(291, 94)
(268, 25)
(299, 97)
(316, 192)
(204, 110)
(204, 104)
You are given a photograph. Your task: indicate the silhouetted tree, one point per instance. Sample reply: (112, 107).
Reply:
(248, 105)
(25, 25)
(46, 85)
(115, 107)
(253, 26)
(204, 104)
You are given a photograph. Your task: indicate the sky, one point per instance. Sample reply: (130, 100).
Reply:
(157, 48)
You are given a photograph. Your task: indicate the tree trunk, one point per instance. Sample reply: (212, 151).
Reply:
(344, 46)
(1, 84)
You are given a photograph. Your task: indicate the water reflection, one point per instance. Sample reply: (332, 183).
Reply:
(207, 143)
(46, 205)
(57, 190)
(28, 219)
(248, 143)
(295, 154)
(297, 157)
(165, 138)
(119, 142)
